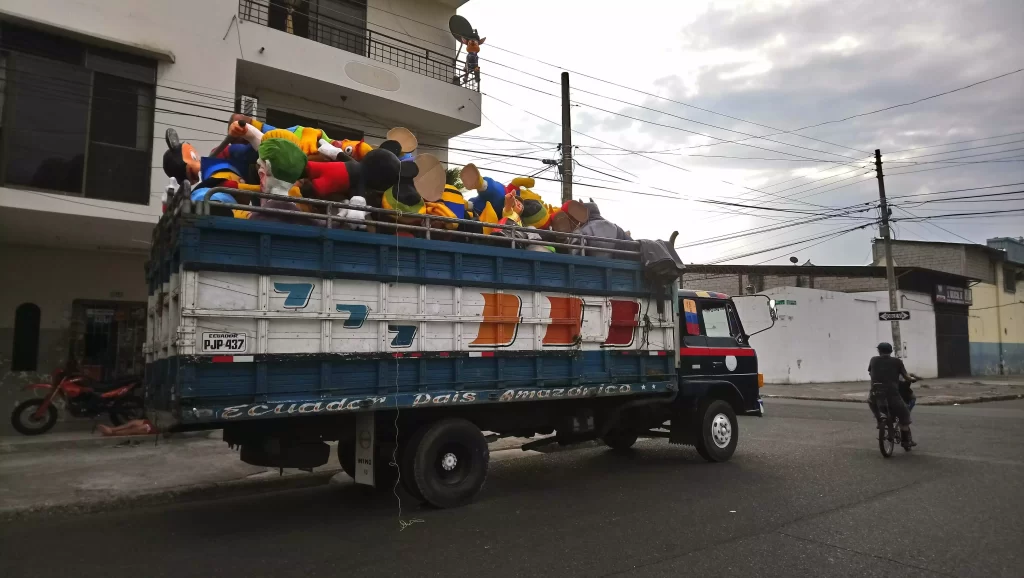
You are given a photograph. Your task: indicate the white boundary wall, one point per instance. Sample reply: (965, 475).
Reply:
(828, 336)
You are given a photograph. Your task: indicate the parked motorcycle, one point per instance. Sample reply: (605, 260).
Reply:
(83, 397)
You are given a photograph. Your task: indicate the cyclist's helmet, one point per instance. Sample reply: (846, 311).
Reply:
(885, 348)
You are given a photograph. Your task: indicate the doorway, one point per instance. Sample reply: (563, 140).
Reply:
(107, 338)
(952, 340)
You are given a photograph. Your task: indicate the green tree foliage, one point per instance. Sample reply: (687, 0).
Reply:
(453, 177)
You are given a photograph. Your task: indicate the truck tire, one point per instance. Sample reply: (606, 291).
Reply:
(384, 475)
(717, 431)
(620, 440)
(406, 460)
(450, 462)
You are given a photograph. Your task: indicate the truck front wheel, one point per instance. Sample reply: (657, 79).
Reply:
(717, 431)
(449, 462)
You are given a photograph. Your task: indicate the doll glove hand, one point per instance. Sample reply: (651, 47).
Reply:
(172, 186)
(328, 150)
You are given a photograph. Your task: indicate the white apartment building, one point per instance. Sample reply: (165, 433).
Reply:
(87, 91)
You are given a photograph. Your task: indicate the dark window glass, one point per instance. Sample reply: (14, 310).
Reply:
(47, 113)
(25, 356)
(27, 40)
(79, 120)
(341, 24)
(1009, 279)
(124, 65)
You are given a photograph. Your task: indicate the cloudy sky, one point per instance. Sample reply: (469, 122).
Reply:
(780, 64)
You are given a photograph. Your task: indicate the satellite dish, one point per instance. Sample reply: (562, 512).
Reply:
(430, 180)
(460, 28)
(793, 260)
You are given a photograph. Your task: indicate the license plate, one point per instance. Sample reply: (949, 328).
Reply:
(223, 343)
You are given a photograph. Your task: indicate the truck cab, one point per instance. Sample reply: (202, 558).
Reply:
(715, 354)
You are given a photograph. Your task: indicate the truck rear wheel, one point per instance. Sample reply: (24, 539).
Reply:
(717, 431)
(406, 460)
(449, 462)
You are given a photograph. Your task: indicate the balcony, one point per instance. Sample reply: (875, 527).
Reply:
(357, 39)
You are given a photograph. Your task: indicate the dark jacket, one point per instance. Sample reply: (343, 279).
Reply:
(598, 226)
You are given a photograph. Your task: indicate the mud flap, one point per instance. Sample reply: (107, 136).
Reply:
(680, 432)
(365, 444)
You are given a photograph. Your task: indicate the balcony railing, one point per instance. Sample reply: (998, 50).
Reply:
(359, 40)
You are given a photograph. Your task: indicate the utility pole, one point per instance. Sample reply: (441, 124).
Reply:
(890, 270)
(566, 141)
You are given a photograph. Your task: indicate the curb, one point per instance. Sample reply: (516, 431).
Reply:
(920, 401)
(94, 441)
(195, 492)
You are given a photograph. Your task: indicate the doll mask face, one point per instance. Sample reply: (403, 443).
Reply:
(190, 157)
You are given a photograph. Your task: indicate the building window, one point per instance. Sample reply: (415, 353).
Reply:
(1009, 279)
(282, 119)
(75, 119)
(25, 356)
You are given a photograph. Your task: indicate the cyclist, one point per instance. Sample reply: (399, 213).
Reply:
(886, 372)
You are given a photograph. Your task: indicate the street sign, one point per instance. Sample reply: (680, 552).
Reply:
(894, 316)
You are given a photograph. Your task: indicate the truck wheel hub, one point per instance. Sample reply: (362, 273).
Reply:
(721, 430)
(449, 461)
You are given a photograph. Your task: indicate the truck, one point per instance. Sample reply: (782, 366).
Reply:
(405, 350)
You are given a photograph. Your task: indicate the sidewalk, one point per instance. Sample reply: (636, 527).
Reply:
(939, 391)
(77, 473)
(100, 477)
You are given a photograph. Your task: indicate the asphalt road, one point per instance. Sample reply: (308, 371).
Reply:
(807, 494)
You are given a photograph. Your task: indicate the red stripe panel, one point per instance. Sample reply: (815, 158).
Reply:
(716, 351)
(223, 358)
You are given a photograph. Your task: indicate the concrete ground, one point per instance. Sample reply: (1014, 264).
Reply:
(74, 474)
(940, 391)
(807, 494)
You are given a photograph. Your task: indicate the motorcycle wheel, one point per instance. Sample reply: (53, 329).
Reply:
(22, 420)
(127, 409)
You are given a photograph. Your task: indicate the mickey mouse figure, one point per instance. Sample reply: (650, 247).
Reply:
(472, 45)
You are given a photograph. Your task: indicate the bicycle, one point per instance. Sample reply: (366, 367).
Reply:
(890, 434)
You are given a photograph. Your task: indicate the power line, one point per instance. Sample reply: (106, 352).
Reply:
(972, 214)
(904, 159)
(607, 81)
(936, 226)
(612, 144)
(751, 254)
(640, 106)
(983, 198)
(911, 102)
(956, 191)
(955, 142)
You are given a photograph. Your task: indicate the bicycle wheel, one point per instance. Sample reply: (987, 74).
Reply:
(886, 439)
